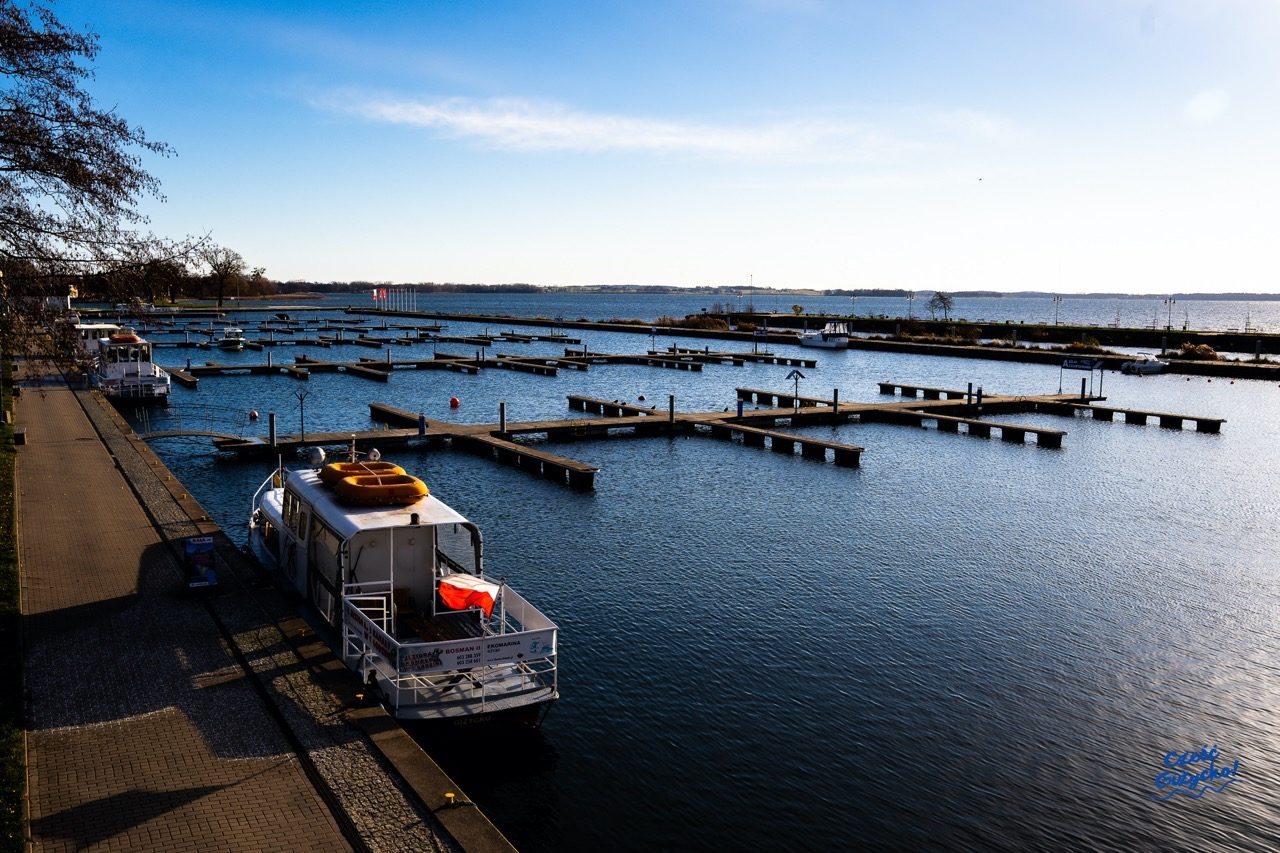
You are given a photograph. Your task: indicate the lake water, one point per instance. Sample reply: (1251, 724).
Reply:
(963, 643)
(1130, 312)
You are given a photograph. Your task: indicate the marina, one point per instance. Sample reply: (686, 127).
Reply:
(752, 426)
(944, 495)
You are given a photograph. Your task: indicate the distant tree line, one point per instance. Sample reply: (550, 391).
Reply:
(71, 177)
(297, 286)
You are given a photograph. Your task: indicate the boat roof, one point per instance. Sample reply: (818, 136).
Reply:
(348, 520)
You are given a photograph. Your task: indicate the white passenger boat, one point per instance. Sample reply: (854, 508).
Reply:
(831, 336)
(126, 372)
(230, 339)
(85, 336)
(401, 576)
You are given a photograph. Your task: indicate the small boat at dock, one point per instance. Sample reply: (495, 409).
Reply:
(1143, 364)
(830, 336)
(230, 339)
(125, 371)
(400, 575)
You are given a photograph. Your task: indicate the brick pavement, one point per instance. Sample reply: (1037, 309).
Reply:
(143, 733)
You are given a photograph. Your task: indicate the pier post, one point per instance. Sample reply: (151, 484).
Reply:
(1082, 394)
(671, 409)
(502, 416)
(835, 401)
(268, 358)
(271, 428)
(968, 397)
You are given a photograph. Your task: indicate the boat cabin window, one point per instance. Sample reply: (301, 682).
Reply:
(326, 549)
(295, 515)
(121, 355)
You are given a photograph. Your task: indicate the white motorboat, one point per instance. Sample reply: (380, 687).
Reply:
(126, 372)
(831, 336)
(1143, 364)
(230, 339)
(400, 575)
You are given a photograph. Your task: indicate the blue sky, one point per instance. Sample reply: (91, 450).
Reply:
(1075, 145)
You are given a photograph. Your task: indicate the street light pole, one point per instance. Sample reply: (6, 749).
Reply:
(1057, 300)
(1169, 319)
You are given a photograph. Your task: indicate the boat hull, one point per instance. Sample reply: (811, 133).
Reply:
(825, 342)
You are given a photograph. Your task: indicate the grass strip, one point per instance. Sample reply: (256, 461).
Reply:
(12, 764)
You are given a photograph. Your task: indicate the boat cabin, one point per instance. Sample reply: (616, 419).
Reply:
(86, 336)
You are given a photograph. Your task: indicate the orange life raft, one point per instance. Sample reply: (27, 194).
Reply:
(381, 489)
(335, 471)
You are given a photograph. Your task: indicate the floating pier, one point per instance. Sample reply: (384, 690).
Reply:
(951, 410)
(1168, 420)
(923, 391)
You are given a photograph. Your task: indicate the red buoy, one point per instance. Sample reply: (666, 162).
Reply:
(454, 402)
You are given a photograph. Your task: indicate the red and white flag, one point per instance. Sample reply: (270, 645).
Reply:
(462, 591)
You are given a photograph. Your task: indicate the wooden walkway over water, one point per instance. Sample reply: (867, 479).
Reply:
(381, 369)
(949, 410)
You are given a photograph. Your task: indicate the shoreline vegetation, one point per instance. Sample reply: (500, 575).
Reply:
(13, 773)
(287, 289)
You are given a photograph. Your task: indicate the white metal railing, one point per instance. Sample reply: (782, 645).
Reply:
(514, 660)
(269, 482)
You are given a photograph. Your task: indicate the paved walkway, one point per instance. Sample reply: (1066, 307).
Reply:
(143, 732)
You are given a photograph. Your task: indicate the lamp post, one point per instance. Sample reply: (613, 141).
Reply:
(1057, 301)
(911, 301)
(1169, 316)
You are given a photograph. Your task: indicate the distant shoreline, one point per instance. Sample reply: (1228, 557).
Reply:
(293, 289)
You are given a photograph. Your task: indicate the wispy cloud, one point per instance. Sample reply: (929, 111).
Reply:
(981, 125)
(516, 124)
(1206, 106)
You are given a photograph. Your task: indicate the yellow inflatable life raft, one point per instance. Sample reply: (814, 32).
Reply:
(381, 489)
(335, 471)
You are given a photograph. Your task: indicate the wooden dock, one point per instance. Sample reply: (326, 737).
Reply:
(1168, 420)
(380, 369)
(951, 410)
(923, 391)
